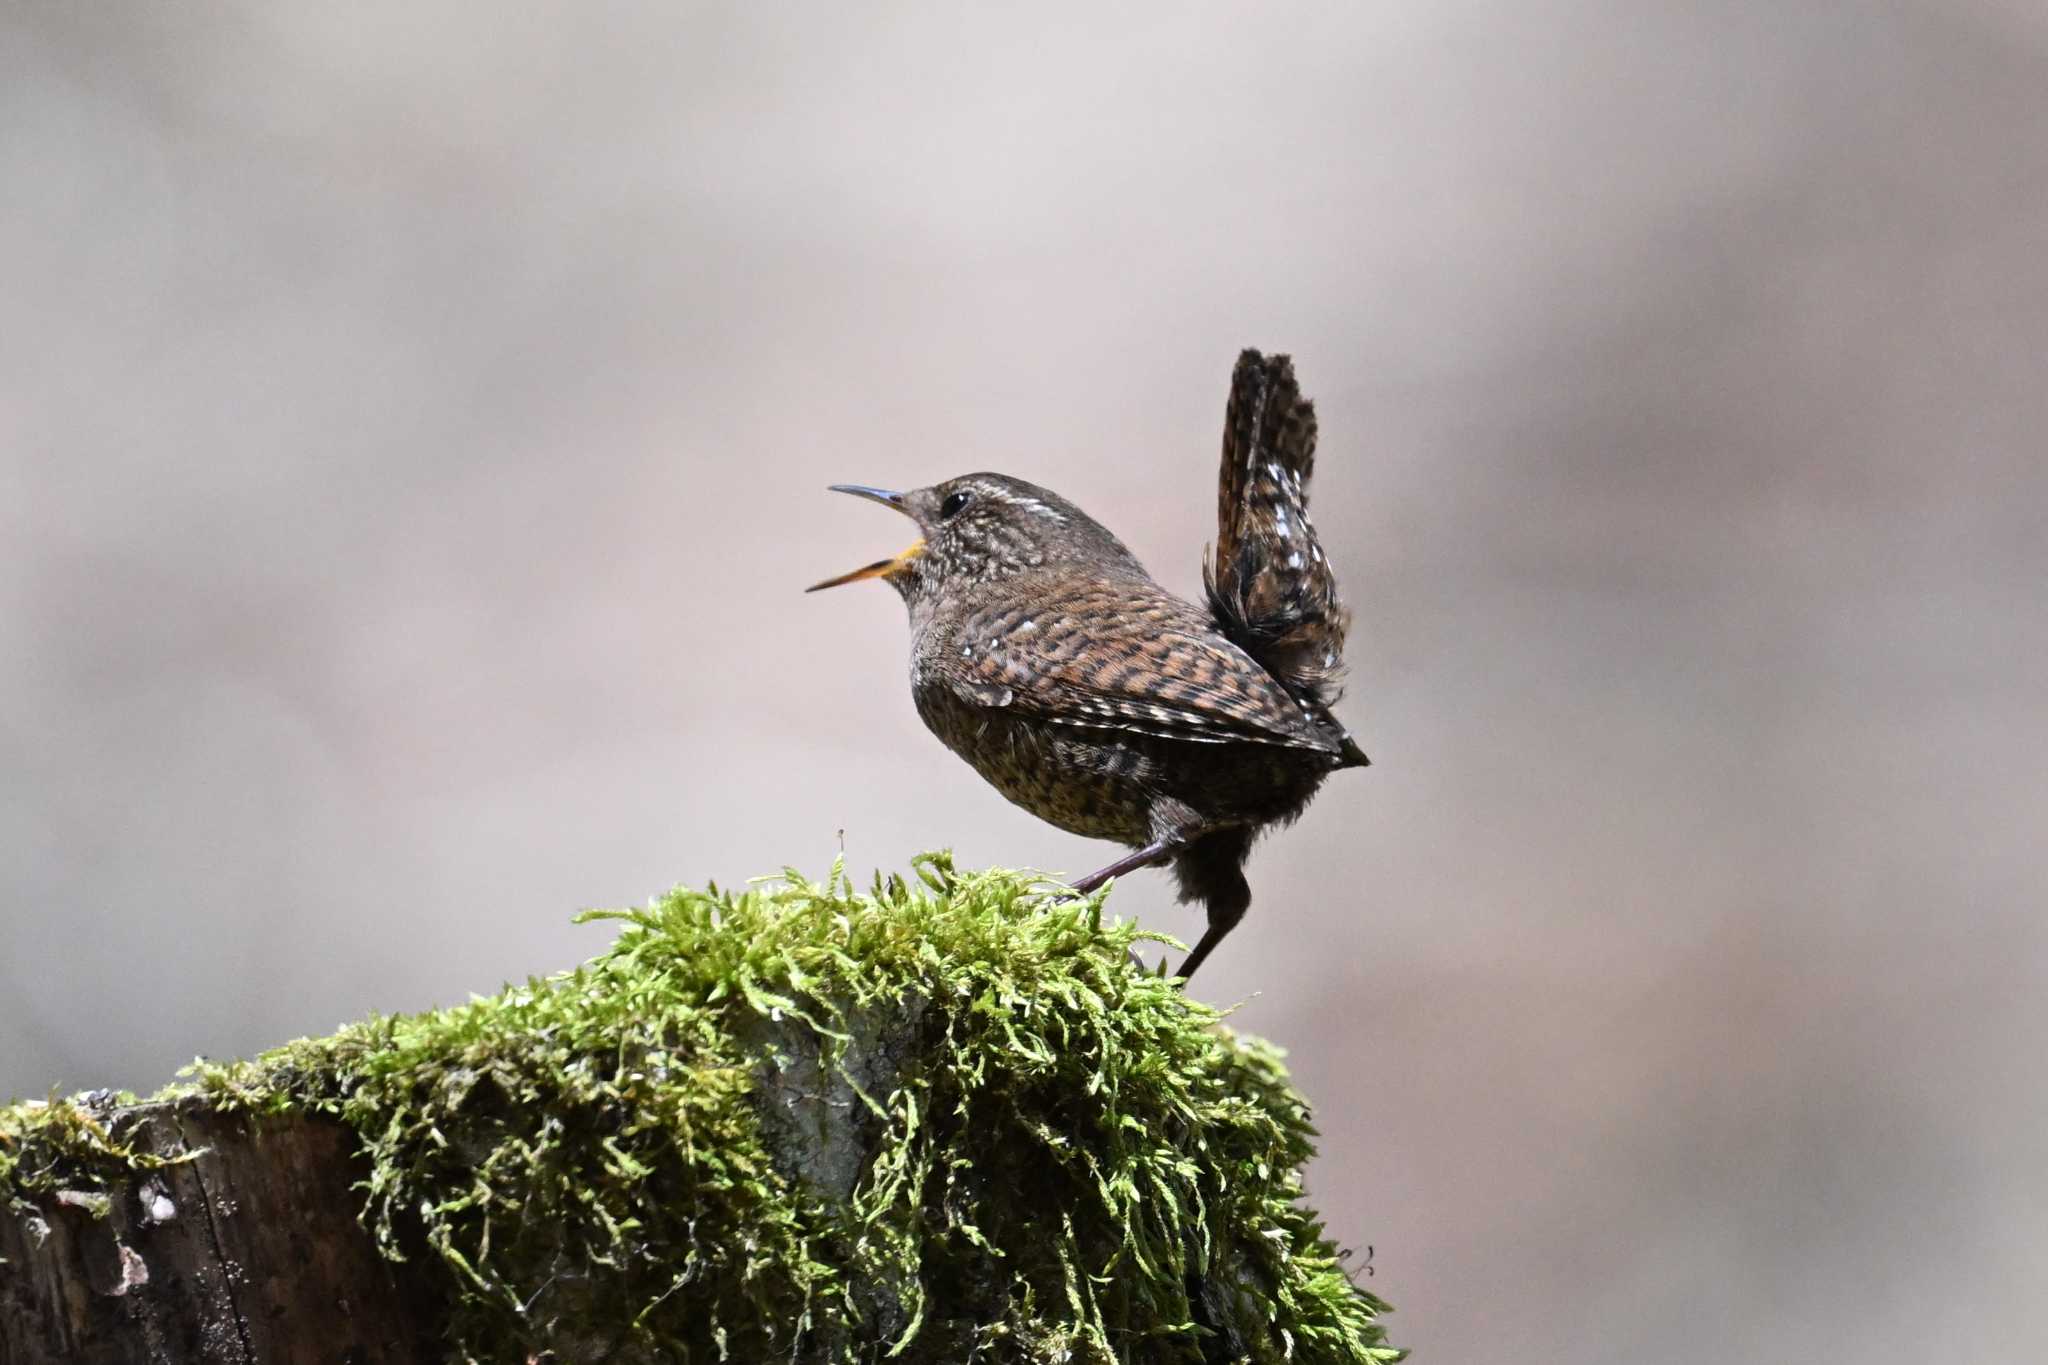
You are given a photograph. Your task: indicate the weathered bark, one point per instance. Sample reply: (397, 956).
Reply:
(250, 1252)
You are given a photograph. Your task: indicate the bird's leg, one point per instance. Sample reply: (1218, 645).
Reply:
(1158, 851)
(1211, 936)
(1211, 870)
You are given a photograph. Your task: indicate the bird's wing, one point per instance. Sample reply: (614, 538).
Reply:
(1122, 654)
(1270, 585)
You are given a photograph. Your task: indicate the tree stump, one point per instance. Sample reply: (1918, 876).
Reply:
(944, 1120)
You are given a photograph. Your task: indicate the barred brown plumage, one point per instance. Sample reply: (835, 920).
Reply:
(1270, 585)
(1043, 654)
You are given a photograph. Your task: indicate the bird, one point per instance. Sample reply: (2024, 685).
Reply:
(1045, 655)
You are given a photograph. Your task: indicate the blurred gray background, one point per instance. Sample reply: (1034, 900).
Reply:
(413, 430)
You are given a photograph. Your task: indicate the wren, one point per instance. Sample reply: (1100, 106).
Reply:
(1043, 654)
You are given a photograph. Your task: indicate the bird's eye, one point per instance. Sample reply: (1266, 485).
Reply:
(954, 502)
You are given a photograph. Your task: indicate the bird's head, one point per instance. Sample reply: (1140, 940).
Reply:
(981, 527)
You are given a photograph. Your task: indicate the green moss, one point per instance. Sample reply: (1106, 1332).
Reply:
(947, 1120)
(65, 1144)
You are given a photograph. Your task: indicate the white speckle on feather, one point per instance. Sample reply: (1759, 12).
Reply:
(1294, 560)
(967, 651)
(1024, 626)
(1037, 508)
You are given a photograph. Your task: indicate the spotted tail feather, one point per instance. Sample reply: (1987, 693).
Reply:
(1269, 583)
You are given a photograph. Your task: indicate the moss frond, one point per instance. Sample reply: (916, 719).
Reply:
(64, 1144)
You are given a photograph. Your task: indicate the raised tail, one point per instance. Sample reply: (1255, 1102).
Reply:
(1269, 583)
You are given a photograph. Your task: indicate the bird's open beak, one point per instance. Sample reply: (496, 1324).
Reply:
(881, 568)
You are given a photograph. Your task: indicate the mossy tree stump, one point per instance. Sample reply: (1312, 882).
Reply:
(946, 1120)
